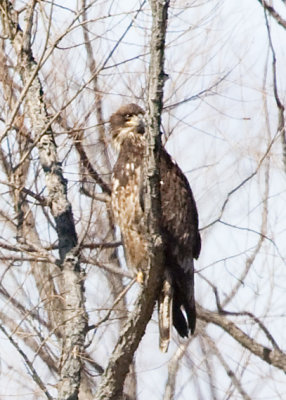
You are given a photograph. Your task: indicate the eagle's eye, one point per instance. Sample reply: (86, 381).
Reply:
(127, 116)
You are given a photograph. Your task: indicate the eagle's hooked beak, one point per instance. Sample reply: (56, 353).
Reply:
(136, 122)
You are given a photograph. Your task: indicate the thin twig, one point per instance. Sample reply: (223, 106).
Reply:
(231, 374)
(280, 106)
(32, 370)
(242, 183)
(116, 301)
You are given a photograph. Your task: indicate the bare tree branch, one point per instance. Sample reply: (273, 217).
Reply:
(243, 182)
(281, 21)
(234, 379)
(89, 167)
(102, 143)
(113, 378)
(273, 357)
(74, 312)
(173, 367)
(34, 374)
(280, 106)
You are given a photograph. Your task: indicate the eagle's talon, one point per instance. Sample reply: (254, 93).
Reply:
(140, 277)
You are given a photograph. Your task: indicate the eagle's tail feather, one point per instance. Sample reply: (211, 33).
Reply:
(191, 316)
(179, 319)
(165, 306)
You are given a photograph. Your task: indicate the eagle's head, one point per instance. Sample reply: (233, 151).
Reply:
(126, 122)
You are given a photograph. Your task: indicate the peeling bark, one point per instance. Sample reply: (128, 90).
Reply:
(73, 317)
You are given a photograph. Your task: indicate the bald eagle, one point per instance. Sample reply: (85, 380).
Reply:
(179, 221)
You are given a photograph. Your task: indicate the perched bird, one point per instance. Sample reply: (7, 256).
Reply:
(179, 221)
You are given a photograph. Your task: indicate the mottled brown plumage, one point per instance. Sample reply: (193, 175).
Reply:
(179, 222)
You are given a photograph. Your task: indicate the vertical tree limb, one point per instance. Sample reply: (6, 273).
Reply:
(280, 105)
(74, 316)
(111, 385)
(152, 201)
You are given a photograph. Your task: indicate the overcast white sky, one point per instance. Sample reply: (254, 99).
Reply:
(219, 51)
